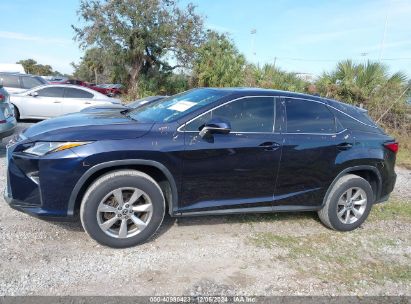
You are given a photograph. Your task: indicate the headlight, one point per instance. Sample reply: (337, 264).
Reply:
(43, 148)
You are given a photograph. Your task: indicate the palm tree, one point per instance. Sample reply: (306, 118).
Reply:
(368, 84)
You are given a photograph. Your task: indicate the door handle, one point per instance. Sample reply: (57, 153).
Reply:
(87, 102)
(270, 146)
(56, 101)
(344, 146)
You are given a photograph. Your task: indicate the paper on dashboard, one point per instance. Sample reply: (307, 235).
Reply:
(182, 106)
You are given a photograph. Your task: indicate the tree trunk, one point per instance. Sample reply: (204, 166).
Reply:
(95, 76)
(135, 73)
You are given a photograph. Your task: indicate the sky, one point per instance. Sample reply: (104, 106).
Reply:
(298, 36)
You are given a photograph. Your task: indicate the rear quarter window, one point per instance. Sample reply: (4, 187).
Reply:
(353, 111)
(349, 123)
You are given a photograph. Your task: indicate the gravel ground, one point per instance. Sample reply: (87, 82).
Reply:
(278, 254)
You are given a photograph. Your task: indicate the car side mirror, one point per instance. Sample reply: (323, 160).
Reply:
(215, 126)
(33, 94)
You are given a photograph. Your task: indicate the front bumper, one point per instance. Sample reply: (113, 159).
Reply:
(34, 210)
(42, 186)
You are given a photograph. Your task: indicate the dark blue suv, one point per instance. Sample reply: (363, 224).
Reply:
(202, 152)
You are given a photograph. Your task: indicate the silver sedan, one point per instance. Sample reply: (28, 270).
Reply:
(54, 100)
(7, 121)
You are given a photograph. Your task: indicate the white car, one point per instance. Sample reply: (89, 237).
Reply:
(54, 100)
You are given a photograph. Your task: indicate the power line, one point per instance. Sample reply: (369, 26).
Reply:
(334, 60)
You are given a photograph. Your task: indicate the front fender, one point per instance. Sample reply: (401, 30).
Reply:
(116, 163)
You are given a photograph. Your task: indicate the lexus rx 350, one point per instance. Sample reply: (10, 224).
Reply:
(202, 152)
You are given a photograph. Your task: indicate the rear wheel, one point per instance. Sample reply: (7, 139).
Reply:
(348, 203)
(122, 209)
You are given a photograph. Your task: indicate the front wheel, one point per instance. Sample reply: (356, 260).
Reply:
(348, 203)
(122, 209)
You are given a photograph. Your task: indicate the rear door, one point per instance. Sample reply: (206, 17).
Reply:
(76, 99)
(309, 154)
(47, 103)
(235, 170)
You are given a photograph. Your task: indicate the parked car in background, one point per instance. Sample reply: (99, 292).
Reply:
(17, 83)
(55, 79)
(93, 86)
(97, 88)
(113, 89)
(203, 152)
(7, 120)
(131, 105)
(54, 100)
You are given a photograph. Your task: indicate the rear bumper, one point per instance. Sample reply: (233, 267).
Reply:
(388, 187)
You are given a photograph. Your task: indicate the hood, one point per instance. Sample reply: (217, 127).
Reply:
(88, 126)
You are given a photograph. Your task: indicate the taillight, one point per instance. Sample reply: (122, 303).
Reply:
(2, 98)
(392, 146)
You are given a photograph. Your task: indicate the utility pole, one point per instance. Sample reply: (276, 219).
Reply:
(382, 46)
(254, 54)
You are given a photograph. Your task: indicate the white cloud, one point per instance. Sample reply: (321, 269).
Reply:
(25, 37)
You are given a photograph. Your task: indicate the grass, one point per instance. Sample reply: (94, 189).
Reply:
(404, 158)
(354, 258)
(338, 257)
(394, 209)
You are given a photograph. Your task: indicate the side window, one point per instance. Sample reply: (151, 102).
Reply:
(77, 93)
(304, 116)
(11, 81)
(51, 92)
(254, 114)
(30, 82)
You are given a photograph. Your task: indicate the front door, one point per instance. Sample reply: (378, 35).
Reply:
(235, 170)
(44, 103)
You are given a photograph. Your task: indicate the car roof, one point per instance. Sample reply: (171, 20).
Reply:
(267, 92)
(19, 74)
(243, 91)
(95, 93)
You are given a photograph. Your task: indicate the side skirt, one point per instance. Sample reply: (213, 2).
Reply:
(248, 210)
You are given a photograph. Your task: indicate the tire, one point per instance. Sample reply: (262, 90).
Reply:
(105, 222)
(337, 206)
(16, 113)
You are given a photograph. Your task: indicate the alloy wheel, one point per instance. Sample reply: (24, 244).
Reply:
(124, 212)
(351, 205)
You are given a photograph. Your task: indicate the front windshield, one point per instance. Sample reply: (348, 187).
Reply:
(177, 106)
